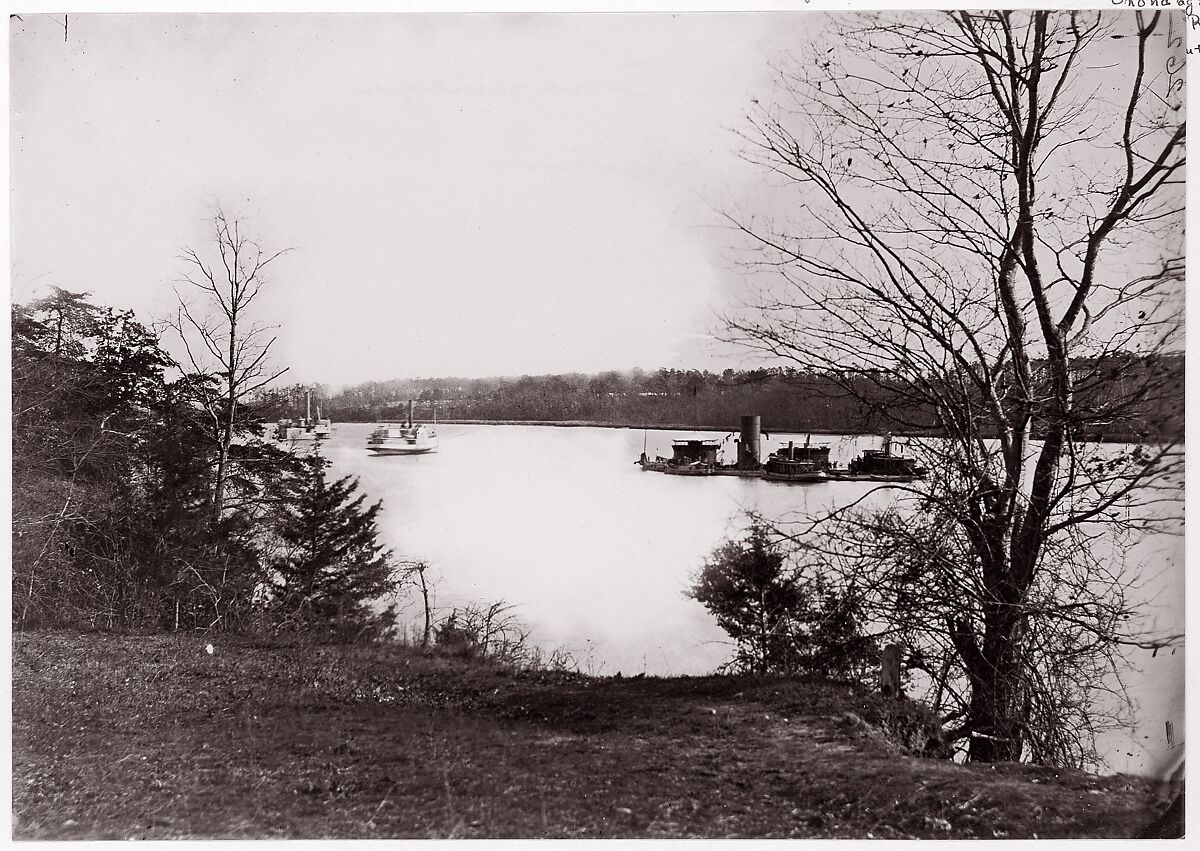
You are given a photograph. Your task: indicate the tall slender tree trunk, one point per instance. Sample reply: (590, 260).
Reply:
(428, 614)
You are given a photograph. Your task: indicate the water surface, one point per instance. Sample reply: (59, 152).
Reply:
(596, 554)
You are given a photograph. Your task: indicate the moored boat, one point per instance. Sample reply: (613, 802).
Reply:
(689, 457)
(815, 453)
(805, 464)
(808, 463)
(883, 465)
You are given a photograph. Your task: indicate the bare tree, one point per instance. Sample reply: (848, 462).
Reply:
(415, 573)
(220, 336)
(982, 230)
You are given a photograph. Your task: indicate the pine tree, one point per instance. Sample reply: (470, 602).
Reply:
(330, 567)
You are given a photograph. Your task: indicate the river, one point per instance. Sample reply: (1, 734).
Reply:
(596, 555)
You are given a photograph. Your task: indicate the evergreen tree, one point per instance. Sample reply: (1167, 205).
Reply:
(782, 617)
(330, 567)
(748, 586)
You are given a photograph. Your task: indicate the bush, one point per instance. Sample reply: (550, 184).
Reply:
(783, 615)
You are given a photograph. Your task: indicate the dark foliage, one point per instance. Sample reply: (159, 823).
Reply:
(86, 383)
(329, 567)
(786, 398)
(782, 617)
(113, 465)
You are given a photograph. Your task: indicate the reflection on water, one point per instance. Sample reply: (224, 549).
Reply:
(596, 554)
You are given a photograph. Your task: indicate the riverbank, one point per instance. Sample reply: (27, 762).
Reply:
(153, 737)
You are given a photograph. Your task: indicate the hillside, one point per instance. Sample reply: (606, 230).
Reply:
(152, 737)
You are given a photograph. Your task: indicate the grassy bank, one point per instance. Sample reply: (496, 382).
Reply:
(153, 737)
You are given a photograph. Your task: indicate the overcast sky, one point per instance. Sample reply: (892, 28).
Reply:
(466, 195)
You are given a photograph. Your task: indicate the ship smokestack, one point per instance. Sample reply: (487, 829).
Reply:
(791, 454)
(410, 413)
(748, 445)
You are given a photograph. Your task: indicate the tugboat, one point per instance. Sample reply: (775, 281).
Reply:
(817, 453)
(405, 438)
(307, 427)
(882, 465)
(805, 464)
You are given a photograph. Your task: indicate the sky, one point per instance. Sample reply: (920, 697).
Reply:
(463, 195)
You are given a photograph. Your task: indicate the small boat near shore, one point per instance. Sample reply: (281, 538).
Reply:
(403, 438)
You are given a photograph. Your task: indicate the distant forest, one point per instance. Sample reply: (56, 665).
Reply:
(785, 399)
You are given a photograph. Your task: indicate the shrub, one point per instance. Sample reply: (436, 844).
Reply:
(783, 615)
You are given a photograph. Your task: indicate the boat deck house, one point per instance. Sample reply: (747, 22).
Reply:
(694, 451)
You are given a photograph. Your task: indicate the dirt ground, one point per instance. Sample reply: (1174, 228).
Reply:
(153, 737)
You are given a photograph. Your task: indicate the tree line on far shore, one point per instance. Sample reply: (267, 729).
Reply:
(787, 399)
